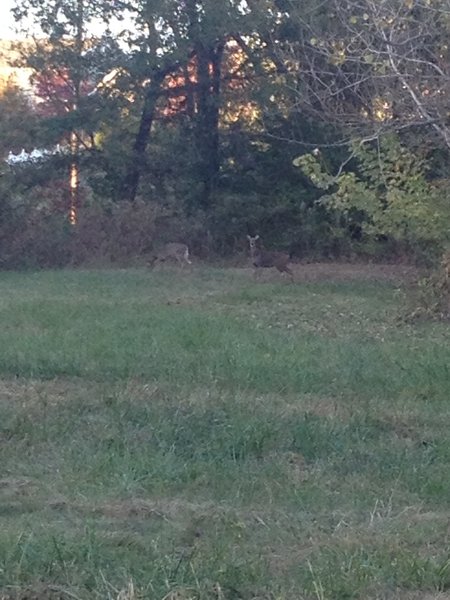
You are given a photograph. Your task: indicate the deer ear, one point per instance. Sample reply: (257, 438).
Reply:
(256, 237)
(248, 237)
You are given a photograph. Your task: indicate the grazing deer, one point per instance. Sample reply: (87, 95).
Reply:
(173, 251)
(265, 259)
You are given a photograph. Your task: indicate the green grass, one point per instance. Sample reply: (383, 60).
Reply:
(199, 435)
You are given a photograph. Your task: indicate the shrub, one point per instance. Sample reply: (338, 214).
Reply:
(35, 231)
(388, 196)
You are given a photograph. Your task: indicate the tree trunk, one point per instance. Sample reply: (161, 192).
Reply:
(137, 162)
(209, 63)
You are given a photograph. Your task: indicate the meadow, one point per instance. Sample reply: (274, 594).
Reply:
(200, 435)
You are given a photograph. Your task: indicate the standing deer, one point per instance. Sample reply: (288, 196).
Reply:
(266, 259)
(172, 251)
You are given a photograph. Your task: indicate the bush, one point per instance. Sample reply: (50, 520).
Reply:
(432, 298)
(115, 232)
(35, 231)
(389, 196)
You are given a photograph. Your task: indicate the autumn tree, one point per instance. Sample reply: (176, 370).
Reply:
(371, 66)
(189, 42)
(68, 64)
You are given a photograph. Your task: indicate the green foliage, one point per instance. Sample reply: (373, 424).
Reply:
(19, 123)
(389, 189)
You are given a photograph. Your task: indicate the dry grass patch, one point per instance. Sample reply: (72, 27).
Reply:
(40, 591)
(342, 272)
(51, 393)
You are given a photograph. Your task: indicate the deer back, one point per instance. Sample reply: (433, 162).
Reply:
(267, 258)
(173, 250)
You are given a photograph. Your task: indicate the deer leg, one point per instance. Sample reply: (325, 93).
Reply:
(287, 270)
(290, 273)
(180, 262)
(186, 257)
(159, 261)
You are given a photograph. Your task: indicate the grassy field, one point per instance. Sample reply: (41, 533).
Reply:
(199, 435)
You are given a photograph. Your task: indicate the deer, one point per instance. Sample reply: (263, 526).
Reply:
(172, 251)
(262, 258)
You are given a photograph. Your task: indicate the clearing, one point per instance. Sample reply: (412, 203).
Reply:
(199, 435)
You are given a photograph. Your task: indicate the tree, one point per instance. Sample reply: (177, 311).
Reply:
(371, 66)
(388, 194)
(68, 66)
(186, 40)
(19, 123)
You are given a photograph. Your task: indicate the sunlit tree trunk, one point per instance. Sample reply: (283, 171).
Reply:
(74, 174)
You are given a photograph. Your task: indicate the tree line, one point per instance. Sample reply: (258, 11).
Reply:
(323, 127)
